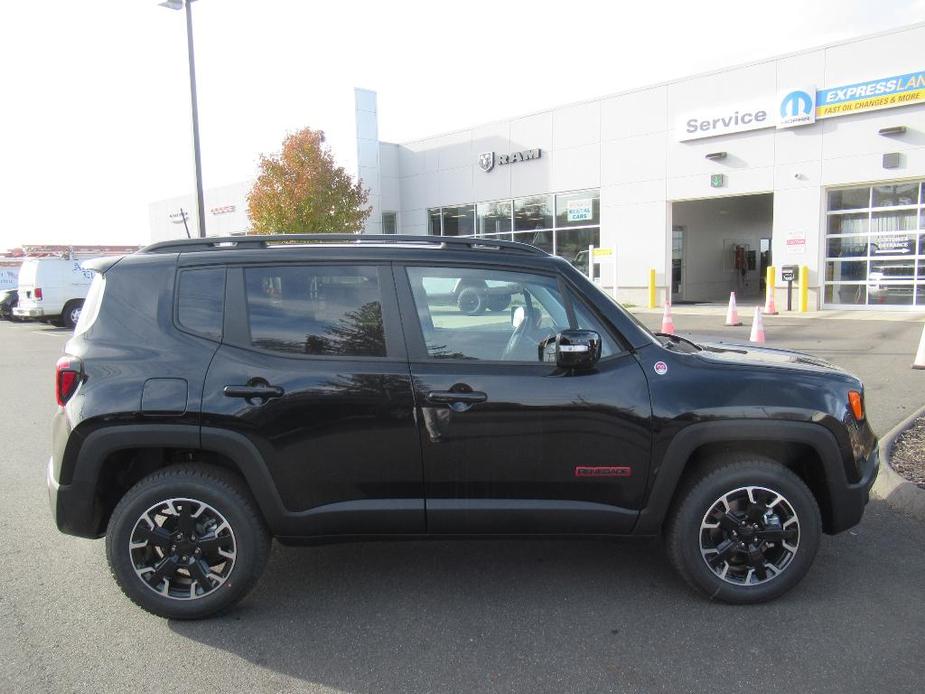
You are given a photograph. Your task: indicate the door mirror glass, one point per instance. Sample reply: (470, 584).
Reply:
(517, 316)
(573, 349)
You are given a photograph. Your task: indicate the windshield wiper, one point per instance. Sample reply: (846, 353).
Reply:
(678, 339)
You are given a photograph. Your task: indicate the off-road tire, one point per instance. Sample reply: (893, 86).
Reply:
(471, 301)
(220, 490)
(699, 494)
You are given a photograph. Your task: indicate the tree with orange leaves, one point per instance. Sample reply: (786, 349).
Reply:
(303, 191)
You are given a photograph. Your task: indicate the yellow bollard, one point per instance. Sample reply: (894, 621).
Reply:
(652, 287)
(804, 289)
(769, 288)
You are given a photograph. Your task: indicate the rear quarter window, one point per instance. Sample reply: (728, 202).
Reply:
(201, 301)
(92, 303)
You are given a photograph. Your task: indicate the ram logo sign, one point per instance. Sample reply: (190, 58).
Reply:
(487, 160)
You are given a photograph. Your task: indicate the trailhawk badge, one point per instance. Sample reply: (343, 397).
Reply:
(487, 161)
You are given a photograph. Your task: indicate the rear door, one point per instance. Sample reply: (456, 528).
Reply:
(511, 443)
(313, 371)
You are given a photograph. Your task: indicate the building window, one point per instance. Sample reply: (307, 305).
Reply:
(459, 221)
(565, 224)
(533, 213)
(389, 223)
(494, 219)
(875, 245)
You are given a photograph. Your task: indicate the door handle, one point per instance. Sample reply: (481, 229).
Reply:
(451, 396)
(262, 391)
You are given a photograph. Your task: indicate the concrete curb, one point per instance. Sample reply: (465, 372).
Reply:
(892, 487)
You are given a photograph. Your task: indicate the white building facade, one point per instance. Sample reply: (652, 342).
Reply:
(812, 159)
(225, 211)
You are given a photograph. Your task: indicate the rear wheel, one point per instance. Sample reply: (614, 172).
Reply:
(187, 542)
(745, 531)
(71, 313)
(471, 301)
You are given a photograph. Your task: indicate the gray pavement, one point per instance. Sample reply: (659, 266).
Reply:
(531, 616)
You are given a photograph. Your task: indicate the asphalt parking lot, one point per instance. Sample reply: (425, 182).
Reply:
(533, 616)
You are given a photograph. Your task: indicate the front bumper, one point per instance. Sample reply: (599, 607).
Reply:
(848, 503)
(28, 312)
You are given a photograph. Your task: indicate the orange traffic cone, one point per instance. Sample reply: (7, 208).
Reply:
(732, 313)
(919, 362)
(770, 309)
(667, 322)
(757, 328)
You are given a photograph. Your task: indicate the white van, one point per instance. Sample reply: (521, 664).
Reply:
(52, 290)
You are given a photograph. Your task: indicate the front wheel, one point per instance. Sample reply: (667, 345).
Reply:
(746, 531)
(187, 542)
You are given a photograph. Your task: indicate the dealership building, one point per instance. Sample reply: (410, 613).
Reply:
(813, 159)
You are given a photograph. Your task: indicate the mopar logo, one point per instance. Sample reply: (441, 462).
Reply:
(796, 104)
(797, 107)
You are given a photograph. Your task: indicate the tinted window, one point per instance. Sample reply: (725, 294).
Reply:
(334, 311)
(588, 321)
(467, 313)
(201, 301)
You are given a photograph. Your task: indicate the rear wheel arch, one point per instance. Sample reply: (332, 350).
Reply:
(111, 461)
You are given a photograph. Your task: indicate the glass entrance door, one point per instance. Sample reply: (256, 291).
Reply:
(677, 262)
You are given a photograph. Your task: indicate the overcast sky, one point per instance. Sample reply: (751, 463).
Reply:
(94, 112)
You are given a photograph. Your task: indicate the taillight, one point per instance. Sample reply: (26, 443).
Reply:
(856, 401)
(67, 378)
(37, 292)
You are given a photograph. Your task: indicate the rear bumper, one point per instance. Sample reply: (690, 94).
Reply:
(73, 506)
(28, 312)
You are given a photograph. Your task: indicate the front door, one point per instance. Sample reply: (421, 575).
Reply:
(312, 370)
(510, 443)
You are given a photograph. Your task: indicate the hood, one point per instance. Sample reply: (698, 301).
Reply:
(752, 355)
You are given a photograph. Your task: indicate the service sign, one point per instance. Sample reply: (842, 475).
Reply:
(725, 120)
(580, 210)
(887, 92)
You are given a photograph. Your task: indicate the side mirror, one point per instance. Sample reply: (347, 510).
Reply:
(573, 349)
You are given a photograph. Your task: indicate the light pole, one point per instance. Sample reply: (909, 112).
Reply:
(200, 204)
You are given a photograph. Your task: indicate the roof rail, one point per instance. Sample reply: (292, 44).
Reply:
(221, 243)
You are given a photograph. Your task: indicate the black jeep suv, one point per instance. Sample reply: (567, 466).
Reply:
(220, 392)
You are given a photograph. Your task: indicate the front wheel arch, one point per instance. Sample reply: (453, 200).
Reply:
(809, 450)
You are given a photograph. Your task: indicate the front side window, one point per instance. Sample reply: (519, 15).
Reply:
(318, 311)
(468, 313)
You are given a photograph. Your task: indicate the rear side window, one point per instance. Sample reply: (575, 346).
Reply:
(322, 311)
(200, 307)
